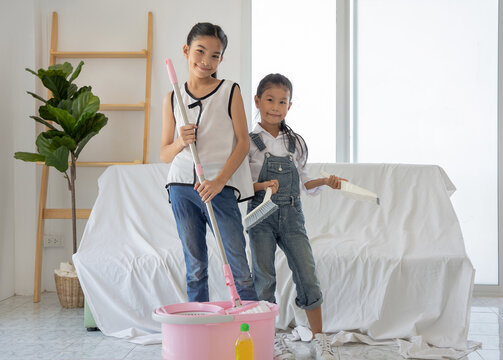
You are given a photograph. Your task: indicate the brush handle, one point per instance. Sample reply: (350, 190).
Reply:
(327, 175)
(268, 194)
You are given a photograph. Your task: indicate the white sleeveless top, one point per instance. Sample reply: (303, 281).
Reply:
(215, 140)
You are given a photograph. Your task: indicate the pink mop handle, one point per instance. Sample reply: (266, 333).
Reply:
(171, 71)
(229, 281)
(176, 90)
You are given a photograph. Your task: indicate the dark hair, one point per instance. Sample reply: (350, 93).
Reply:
(281, 80)
(208, 29)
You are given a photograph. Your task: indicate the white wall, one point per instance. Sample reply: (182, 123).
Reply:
(93, 25)
(17, 179)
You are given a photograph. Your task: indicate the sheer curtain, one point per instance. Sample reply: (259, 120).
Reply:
(426, 92)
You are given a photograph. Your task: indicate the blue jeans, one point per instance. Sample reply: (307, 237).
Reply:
(191, 218)
(284, 228)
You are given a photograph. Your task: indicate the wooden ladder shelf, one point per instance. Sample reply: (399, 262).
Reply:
(45, 213)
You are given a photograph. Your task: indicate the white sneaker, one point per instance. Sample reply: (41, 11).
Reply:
(281, 349)
(323, 347)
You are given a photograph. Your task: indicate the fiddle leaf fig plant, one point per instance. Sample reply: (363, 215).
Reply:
(72, 119)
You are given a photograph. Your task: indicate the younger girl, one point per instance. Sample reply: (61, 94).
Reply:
(218, 127)
(277, 159)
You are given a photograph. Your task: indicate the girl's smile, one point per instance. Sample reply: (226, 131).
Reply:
(273, 106)
(204, 55)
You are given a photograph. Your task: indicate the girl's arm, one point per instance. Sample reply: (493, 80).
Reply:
(273, 184)
(210, 188)
(170, 147)
(333, 181)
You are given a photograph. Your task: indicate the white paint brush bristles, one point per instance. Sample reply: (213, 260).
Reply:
(266, 208)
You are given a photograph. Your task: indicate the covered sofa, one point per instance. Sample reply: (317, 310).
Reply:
(394, 270)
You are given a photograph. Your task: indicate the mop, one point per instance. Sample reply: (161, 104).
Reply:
(229, 279)
(266, 208)
(355, 192)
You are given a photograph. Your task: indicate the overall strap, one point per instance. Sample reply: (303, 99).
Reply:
(257, 139)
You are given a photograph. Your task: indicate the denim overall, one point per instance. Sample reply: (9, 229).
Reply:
(284, 228)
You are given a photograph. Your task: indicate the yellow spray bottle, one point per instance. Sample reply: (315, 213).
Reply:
(244, 344)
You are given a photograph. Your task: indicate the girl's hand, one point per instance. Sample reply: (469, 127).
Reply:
(208, 189)
(273, 184)
(334, 182)
(187, 134)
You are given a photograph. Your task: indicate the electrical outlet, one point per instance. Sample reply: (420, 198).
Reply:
(53, 241)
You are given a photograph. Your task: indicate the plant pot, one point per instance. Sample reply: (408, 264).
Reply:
(69, 291)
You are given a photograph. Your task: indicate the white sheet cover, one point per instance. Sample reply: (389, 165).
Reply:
(398, 270)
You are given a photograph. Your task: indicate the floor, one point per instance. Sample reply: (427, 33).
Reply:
(48, 331)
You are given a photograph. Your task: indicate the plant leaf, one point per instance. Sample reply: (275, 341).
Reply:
(65, 105)
(63, 118)
(72, 89)
(66, 68)
(66, 141)
(26, 156)
(37, 97)
(85, 105)
(58, 159)
(76, 72)
(45, 114)
(80, 91)
(43, 145)
(93, 124)
(30, 70)
(83, 143)
(49, 134)
(58, 85)
(42, 121)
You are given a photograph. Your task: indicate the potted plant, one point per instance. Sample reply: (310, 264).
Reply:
(72, 119)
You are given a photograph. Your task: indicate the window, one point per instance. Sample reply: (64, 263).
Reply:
(298, 41)
(426, 92)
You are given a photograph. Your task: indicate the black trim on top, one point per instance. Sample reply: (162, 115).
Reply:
(227, 186)
(193, 105)
(230, 97)
(172, 106)
(205, 96)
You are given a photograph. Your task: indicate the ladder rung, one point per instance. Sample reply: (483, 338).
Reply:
(99, 54)
(104, 163)
(100, 163)
(123, 107)
(66, 213)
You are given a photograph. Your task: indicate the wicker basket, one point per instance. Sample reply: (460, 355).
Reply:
(69, 291)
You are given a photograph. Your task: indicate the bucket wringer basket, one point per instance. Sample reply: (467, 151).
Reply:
(207, 331)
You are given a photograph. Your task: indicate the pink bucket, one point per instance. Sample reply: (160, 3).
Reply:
(192, 331)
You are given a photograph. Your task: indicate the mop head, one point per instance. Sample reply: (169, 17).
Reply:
(266, 208)
(255, 307)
